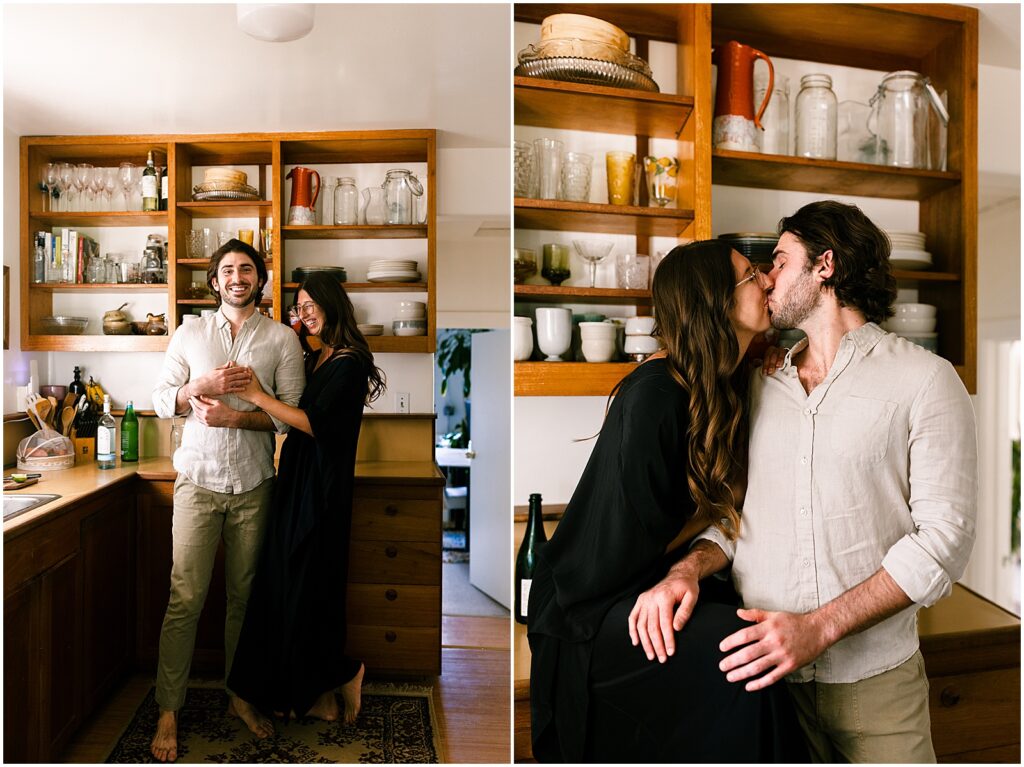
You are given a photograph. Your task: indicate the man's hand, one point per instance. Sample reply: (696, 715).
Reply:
(778, 643)
(229, 378)
(652, 622)
(213, 412)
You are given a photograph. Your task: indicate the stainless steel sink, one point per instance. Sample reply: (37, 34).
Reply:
(22, 502)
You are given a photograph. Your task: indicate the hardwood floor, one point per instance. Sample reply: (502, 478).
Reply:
(472, 698)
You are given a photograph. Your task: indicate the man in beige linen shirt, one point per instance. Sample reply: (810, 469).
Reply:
(225, 467)
(859, 508)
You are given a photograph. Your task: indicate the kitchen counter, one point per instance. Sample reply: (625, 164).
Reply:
(75, 484)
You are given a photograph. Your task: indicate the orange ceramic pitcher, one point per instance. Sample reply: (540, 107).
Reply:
(302, 208)
(735, 120)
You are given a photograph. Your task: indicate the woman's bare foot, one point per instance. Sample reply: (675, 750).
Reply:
(351, 693)
(326, 707)
(258, 724)
(165, 742)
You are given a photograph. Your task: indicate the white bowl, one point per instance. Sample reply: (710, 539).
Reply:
(410, 315)
(639, 326)
(409, 327)
(522, 338)
(598, 349)
(914, 310)
(598, 330)
(641, 345)
(911, 324)
(412, 306)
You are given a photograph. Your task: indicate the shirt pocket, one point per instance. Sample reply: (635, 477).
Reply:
(860, 429)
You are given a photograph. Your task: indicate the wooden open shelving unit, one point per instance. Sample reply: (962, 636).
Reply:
(940, 41)
(271, 152)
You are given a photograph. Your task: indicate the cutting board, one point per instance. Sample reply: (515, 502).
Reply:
(10, 484)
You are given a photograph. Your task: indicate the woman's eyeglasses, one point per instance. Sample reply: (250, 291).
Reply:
(755, 274)
(302, 309)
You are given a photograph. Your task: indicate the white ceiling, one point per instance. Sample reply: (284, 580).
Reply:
(149, 68)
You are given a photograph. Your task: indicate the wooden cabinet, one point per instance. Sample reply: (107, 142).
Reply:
(937, 40)
(266, 158)
(394, 592)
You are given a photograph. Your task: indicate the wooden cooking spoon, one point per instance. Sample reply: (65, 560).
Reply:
(43, 412)
(67, 417)
(69, 400)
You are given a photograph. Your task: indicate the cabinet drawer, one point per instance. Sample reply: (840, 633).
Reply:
(395, 562)
(396, 648)
(975, 711)
(377, 519)
(28, 555)
(397, 604)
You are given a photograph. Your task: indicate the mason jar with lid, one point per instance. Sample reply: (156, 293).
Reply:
(817, 112)
(346, 202)
(909, 122)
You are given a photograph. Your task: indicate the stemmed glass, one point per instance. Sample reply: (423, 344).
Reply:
(96, 188)
(81, 181)
(65, 180)
(593, 252)
(51, 172)
(109, 185)
(125, 176)
(44, 183)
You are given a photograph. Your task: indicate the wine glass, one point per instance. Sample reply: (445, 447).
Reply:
(593, 252)
(81, 181)
(96, 187)
(109, 185)
(51, 171)
(65, 180)
(125, 177)
(44, 182)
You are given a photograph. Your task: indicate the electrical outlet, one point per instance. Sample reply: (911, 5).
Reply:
(402, 402)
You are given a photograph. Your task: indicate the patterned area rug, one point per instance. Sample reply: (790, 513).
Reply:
(396, 725)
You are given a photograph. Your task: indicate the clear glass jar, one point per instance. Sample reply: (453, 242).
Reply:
(325, 201)
(346, 202)
(774, 139)
(817, 113)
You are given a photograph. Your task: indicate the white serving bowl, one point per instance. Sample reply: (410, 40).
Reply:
(639, 326)
(598, 330)
(641, 345)
(911, 324)
(914, 310)
(598, 349)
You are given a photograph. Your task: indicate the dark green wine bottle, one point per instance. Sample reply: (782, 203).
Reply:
(526, 560)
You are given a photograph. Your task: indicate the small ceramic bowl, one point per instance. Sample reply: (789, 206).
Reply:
(409, 327)
(914, 310)
(598, 330)
(639, 326)
(911, 324)
(598, 349)
(640, 345)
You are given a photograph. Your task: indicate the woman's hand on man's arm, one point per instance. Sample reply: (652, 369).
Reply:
(664, 609)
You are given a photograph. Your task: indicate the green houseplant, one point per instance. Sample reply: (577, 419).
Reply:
(454, 355)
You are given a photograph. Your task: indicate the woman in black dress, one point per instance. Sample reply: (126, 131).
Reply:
(290, 655)
(669, 461)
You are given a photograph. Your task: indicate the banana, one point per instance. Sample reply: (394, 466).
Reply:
(94, 392)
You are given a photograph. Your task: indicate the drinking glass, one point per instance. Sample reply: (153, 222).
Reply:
(621, 167)
(65, 178)
(125, 176)
(523, 168)
(223, 238)
(44, 185)
(195, 243)
(137, 186)
(245, 235)
(593, 252)
(576, 173)
(208, 242)
(555, 264)
(81, 182)
(548, 163)
(109, 186)
(50, 177)
(267, 238)
(632, 271)
(96, 188)
(524, 266)
(662, 173)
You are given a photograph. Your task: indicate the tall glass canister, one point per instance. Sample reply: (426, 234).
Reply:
(346, 202)
(817, 112)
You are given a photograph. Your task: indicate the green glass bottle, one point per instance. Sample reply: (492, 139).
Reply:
(129, 435)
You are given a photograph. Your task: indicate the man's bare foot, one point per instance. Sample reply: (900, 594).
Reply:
(326, 707)
(351, 693)
(258, 724)
(165, 743)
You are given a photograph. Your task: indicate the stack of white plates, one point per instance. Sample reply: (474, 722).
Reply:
(393, 270)
(916, 323)
(908, 251)
(371, 330)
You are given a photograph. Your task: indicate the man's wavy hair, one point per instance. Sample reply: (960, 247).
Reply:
(862, 277)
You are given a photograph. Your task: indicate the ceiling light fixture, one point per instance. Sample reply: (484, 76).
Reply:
(276, 22)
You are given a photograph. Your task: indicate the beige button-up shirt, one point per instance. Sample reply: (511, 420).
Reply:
(876, 467)
(221, 459)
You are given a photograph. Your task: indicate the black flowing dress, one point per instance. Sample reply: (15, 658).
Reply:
(595, 697)
(291, 648)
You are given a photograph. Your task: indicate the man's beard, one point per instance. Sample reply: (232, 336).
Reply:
(804, 297)
(230, 299)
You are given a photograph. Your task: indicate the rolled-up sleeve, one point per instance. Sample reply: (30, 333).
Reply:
(289, 378)
(943, 491)
(715, 535)
(174, 374)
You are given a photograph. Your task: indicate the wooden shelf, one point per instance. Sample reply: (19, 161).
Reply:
(902, 274)
(227, 208)
(95, 343)
(575, 106)
(561, 216)
(575, 294)
(361, 232)
(374, 287)
(393, 146)
(112, 218)
(568, 379)
(196, 302)
(75, 287)
(800, 174)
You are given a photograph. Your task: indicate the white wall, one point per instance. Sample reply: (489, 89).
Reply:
(362, 67)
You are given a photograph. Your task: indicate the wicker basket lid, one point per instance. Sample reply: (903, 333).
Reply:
(563, 26)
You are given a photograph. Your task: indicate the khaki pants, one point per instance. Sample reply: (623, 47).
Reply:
(881, 719)
(201, 518)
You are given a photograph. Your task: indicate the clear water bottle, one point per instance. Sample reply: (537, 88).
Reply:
(817, 118)
(106, 438)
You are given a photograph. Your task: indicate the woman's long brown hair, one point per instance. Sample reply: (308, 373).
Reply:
(694, 293)
(339, 330)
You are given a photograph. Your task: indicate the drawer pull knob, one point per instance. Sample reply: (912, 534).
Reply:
(391, 595)
(949, 696)
(390, 636)
(391, 551)
(391, 511)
